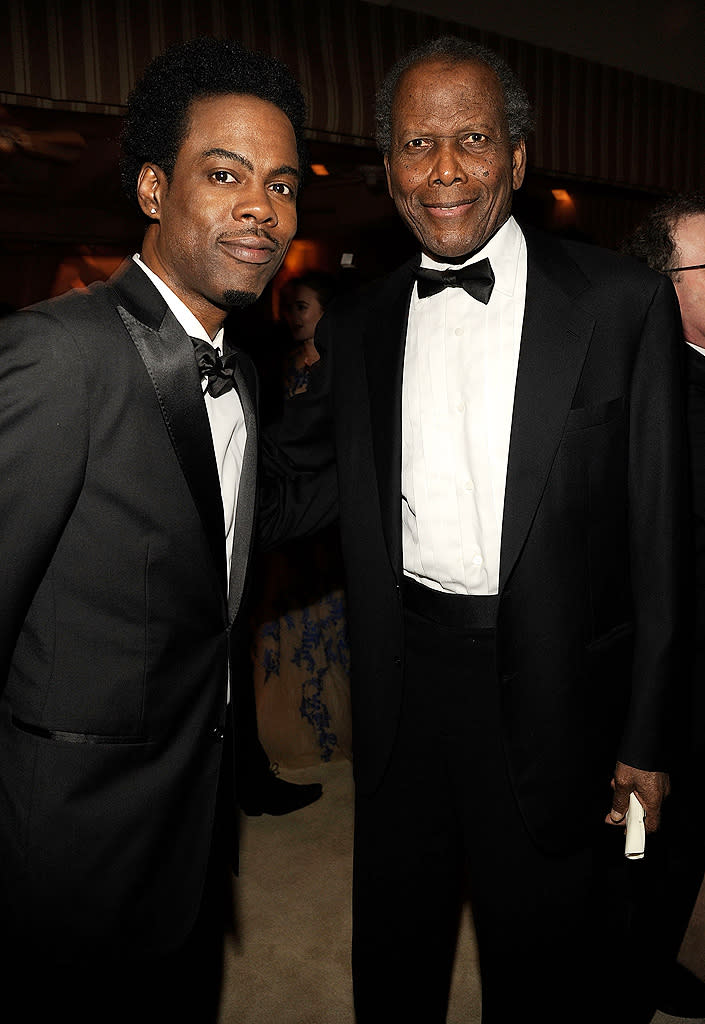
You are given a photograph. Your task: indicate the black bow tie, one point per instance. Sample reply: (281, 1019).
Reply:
(477, 279)
(218, 371)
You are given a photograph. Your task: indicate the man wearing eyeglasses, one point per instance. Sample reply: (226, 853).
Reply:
(688, 276)
(671, 240)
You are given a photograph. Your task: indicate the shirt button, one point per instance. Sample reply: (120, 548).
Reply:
(468, 486)
(458, 331)
(477, 559)
(460, 406)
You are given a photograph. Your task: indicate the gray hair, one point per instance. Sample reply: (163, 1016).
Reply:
(652, 240)
(455, 50)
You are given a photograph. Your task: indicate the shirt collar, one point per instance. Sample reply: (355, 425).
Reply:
(193, 327)
(502, 250)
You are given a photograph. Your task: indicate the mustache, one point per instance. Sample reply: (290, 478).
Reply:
(250, 233)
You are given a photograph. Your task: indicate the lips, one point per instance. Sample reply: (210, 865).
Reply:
(249, 249)
(456, 209)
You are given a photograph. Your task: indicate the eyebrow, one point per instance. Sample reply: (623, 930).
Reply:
(228, 154)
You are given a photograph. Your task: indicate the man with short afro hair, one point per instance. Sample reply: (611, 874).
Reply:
(200, 67)
(129, 466)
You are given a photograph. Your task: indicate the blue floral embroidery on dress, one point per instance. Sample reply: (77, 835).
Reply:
(322, 642)
(315, 711)
(322, 635)
(270, 655)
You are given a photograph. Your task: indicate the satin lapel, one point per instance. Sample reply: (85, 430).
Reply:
(555, 338)
(246, 495)
(384, 344)
(167, 353)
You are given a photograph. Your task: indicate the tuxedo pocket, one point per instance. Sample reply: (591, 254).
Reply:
(64, 736)
(594, 415)
(605, 642)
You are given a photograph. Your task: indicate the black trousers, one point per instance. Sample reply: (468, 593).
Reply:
(445, 825)
(180, 987)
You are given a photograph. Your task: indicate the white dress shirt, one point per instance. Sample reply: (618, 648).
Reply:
(460, 367)
(225, 414)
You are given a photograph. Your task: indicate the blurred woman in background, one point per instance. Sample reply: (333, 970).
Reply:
(300, 649)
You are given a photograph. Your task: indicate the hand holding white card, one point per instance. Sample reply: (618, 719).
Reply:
(635, 841)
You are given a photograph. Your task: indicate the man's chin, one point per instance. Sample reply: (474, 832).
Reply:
(456, 251)
(238, 300)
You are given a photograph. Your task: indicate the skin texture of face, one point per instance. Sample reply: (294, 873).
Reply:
(451, 169)
(221, 227)
(302, 312)
(689, 238)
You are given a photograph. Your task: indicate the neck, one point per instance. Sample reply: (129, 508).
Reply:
(210, 316)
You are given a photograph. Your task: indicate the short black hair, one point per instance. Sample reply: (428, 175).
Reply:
(158, 106)
(455, 50)
(652, 240)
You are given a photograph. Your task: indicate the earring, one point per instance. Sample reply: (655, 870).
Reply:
(153, 210)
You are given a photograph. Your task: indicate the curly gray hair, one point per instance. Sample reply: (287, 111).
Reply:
(652, 240)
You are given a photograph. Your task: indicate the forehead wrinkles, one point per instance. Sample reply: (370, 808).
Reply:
(445, 98)
(234, 121)
(689, 234)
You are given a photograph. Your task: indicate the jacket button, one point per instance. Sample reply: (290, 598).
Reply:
(218, 734)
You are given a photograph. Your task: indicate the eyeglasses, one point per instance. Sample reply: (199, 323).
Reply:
(698, 266)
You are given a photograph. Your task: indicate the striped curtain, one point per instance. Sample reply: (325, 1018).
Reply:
(595, 122)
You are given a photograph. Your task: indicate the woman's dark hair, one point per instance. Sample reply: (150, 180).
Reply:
(158, 107)
(455, 50)
(323, 284)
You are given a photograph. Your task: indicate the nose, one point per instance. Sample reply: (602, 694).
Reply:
(446, 167)
(254, 204)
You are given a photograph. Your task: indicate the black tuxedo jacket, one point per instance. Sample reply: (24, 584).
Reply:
(695, 374)
(587, 627)
(116, 626)
(695, 751)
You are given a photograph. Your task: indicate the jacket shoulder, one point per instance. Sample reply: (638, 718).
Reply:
(600, 266)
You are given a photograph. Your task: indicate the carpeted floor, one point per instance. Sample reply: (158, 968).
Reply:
(289, 961)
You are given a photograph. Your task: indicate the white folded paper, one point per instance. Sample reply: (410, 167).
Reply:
(635, 841)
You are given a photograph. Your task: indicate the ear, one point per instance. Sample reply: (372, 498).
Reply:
(518, 164)
(151, 186)
(388, 173)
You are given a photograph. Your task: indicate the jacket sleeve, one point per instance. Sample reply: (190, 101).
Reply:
(658, 533)
(44, 430)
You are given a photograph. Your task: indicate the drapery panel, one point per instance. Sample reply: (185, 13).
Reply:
(592, 121)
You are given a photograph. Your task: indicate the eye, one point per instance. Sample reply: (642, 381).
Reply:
(223, 177)
(417, 144)
(282, 189)
(474, 139)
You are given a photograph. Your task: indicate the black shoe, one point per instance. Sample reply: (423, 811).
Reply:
(277, 796)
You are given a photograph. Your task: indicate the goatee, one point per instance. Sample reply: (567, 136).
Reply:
(238, 300)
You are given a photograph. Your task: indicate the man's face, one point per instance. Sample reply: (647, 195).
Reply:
(451, 168)
(689, 238)
(224, 222)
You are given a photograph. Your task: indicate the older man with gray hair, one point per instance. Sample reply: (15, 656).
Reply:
(510, 502)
